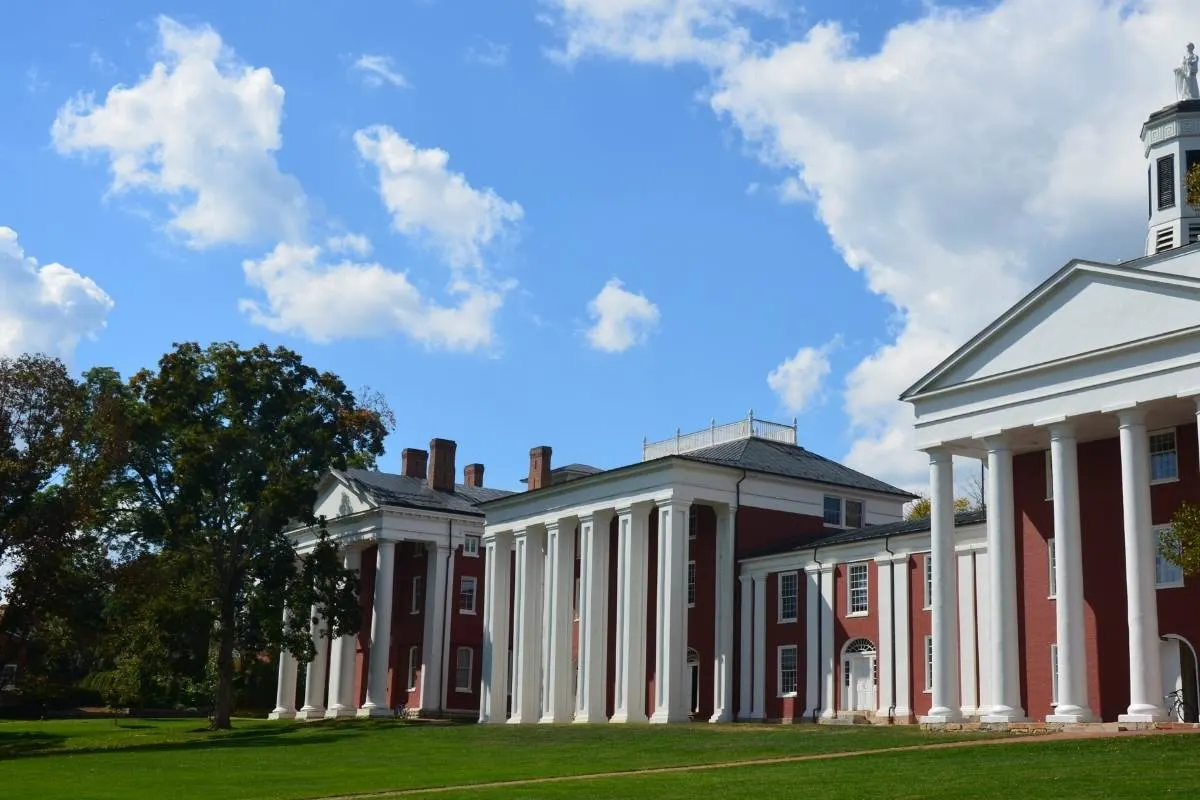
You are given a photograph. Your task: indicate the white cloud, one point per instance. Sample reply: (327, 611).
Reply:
(46, 309)
(379, 70)
(326, 300)
(429, 201)
(350, 243)
(488, 53)
(799, 380)
(202, 130)
(621, 319)
(955, 167)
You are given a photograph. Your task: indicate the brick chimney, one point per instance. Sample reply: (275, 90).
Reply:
(413, 462)
(473, 475)
(441, 465)
(539, 467)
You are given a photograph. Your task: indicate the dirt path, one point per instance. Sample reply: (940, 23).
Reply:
(1058, 737)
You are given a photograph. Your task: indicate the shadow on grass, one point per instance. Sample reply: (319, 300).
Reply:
(27, 743)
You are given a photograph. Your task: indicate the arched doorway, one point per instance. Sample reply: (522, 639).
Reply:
(693, 667)
(1180, 674)
(858, 675)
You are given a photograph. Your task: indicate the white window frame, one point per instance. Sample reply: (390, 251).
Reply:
(691, 584)
(928, 582)
(866, 590)
(458, 669)
(841, 511)
(779, 672)
(464, 582)
(1049, 478)
(1052, 568)
(1161, 564)
(1054, 674)
(928, 665)
(414, 658)
(795, 578)
(693, 523)
(1150, 436)
(471, 546)
(417, 601)
(862, 513)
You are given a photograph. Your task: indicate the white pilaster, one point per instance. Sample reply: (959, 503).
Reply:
(723, 636)
(376, 704)
(670, 652)
(746, 661)
(968, 646)
(433, 638)
(342, 702)
(285, 687)
(1002, 648)
(314, 681)
(1068, 577)
(812, 611)
(633, 541)
(497, 565)
(946, 700)
(591, 683)
(900, 579)
(829, 658)
(527, 625)
(760, 647)
(885, 654)
(558, 620)
(1145, 674)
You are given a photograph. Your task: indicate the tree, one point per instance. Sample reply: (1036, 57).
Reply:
(1180, 544)
(226, 446)
(922, 507)
(1191, 186)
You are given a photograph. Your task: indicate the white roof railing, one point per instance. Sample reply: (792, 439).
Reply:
(719, 434)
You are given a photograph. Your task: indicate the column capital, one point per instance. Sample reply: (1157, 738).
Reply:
(1128, 414)
(495, 537)
(596, 516)
(939, 455)
(563, 522)
(674, 502)
(627, 509)
(995, 441)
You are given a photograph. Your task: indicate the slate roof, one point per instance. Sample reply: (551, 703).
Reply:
(399, 491)
(841, 537)
(789, 461)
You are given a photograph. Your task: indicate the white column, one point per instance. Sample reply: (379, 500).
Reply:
(723, 636)
(285, 687)
(314, 681)
(746, 660)
(812, 611)
(828, 657)
(376, 704)
(885, 654)
(342, 702)
(759, 703)
(497, 565)
(1068, 577)
(1145, 674)
(527, 625)
(945, 596)
(629, 692)
(433, 636)
(1002, 648)
(900, 605)
(557, 621)
(591, 698)
(968, 645)
(670, 662)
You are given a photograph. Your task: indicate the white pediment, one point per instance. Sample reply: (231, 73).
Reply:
(336, 498)
(1086, 309)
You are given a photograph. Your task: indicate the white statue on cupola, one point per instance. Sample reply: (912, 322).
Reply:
(1185, 75)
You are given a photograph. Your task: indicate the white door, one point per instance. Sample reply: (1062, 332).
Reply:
(694, 675)
(862, 681)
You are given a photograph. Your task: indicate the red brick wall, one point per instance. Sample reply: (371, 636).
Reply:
(920, 625)
(365, 594)
(408, 629)
(702, 618)
(847, 628)
(466, 630)
(761, 528)
(778, 634)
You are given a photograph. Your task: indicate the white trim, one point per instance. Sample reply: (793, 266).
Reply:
(416, 600)
(927, 581)
(458, 687)
(471, 544)
(1053, 674)
(1175, 441)
(691, 584)
(779, 670)
(851, 611)
(1051, 567)
(473, 582)
(795, 576)
(928, 664)
(1049, 477)
(414, 658)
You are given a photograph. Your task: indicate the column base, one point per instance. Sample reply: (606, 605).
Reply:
(516, 719)
(590, 719)
(281, 713)
(1070, 719)
(310, 713)
(1002, 715)
(665, 717)
(373, 712)
(940, 716)
(340, 712)
(720, 717)
(1149, 715)
(628, 718)
(549, 719)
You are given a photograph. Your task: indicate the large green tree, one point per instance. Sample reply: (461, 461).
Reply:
(226, 446)
(1180, 544)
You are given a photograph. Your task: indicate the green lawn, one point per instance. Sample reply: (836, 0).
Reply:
(86, 759)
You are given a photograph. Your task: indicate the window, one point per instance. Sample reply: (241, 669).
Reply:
(788, 596)
(575, 600)
(787, 670)
(418, 595)
(928, 663)
(1166, 574)
(833, 510)
(928, 581)
(462, 669)
(1054, 674)
(1052, 564)
(1166, 182)
(857, 588)
(1049, 477)
(471, 546)
(693, 522)
(414, 664)
(854, 514)
(1164, 459)
(691, 583)
(8, 676)
(466, 594)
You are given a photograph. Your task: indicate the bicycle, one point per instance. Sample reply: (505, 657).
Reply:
(1177, 708)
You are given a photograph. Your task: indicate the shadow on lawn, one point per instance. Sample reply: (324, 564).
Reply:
(28, 743)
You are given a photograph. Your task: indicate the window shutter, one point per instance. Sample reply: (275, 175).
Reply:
(1166, 182)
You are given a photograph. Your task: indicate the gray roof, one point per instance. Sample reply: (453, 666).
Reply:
(404, 492)
(870, 532)
(789, 461)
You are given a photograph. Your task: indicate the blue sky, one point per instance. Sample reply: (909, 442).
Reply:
(728, 161)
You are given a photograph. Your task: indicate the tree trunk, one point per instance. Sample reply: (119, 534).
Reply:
(223, 708)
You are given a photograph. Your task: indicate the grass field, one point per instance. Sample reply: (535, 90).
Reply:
(86, 759)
